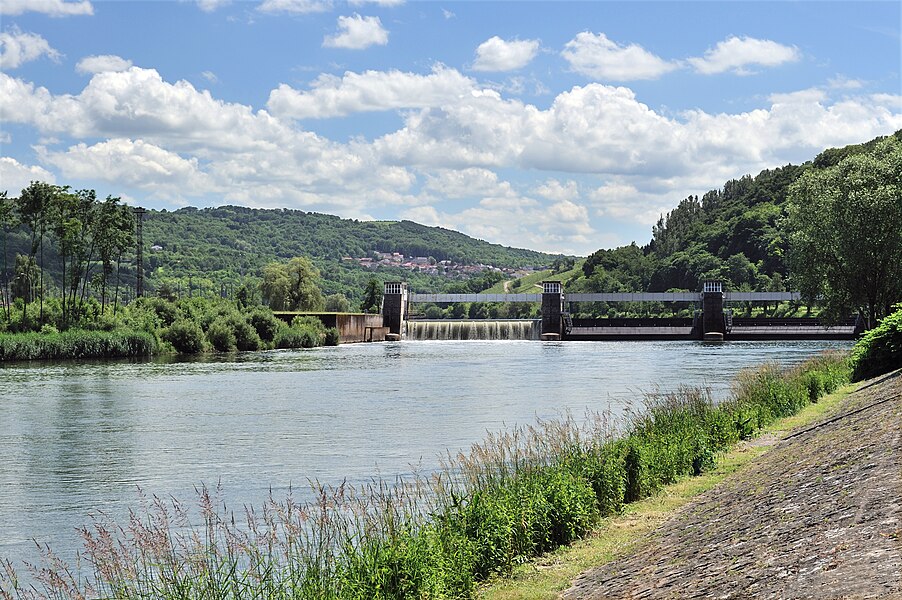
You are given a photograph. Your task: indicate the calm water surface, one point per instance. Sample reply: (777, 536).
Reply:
(78, 438)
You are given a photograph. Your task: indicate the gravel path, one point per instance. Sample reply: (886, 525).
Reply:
(818, 516)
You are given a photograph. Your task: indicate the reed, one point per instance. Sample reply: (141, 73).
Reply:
(74, 344)
(514, 495)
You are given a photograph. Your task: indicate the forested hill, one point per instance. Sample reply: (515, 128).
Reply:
(234, 237)
(736, 234)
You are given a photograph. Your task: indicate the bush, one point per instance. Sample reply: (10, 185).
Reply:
(294, 337)
(880, 349)
(221, 336)
(185, 336)
(332, 337)
(246, 337)
(265, 324)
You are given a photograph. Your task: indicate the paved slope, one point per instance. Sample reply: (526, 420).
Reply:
(817, 516)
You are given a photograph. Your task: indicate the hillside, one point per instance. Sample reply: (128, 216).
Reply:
(232, 243)
(736, 233)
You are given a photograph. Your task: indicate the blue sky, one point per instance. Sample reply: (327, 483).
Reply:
(557, 126)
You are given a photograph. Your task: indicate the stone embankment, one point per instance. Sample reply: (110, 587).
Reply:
(817, 516)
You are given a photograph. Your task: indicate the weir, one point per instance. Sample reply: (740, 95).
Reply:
(712, 320)
(474, 329)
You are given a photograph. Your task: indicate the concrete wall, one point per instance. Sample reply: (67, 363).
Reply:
(352, 327)
(360, 328)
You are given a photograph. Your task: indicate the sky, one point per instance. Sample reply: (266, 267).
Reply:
(556, 126)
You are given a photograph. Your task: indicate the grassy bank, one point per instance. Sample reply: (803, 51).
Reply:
(513, 497)
(547, 576)
(76, 344)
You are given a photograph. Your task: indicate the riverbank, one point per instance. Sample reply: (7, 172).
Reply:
(155, 326)
(808, 509)
(76, 344)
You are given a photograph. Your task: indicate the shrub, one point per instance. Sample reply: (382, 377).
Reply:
(293, 337)
(185, 336)
(164, 309)
(246, 337)
(221, 336)
(332, 337)
(265, 324)
(880, 349)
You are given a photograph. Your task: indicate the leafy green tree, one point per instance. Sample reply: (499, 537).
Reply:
(25, 284)
(115, 234)
(33, 207)
(292, 286)
(372, 296)
(845, 227)
(337, 303)
(7, 221)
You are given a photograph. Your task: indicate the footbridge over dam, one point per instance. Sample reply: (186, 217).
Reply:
(712, 320)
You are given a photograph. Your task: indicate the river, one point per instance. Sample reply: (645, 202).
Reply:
(77, 438)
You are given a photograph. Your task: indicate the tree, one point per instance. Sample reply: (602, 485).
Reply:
(33, 207)
(7, 222)
(372, 296)
(845, 226)
(292, 286)
(337, 303)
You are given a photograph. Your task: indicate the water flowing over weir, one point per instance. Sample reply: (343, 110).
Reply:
(500, 329)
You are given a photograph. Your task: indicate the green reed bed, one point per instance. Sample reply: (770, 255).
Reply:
(75, 344)
(511, 497)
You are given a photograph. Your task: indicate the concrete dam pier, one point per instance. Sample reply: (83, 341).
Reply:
(712, 321)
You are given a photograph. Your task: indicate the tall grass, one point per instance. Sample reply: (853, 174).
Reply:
(511, 497)
(76, 344)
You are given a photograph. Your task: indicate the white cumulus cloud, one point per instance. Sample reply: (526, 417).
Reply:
(102, 63)
(738, 54)
(18, 48)
(622, 159)
(596, 56)
(297, 7)
(54, 8)
(553, 189)
(14, 176)
(357, 32)
(496, 54)
(332, 96)
(132, 163)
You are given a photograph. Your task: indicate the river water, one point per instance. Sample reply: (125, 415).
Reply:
(77, 438)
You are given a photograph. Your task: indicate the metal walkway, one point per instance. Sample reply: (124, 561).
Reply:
(607, 297)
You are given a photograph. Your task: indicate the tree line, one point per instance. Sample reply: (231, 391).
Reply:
(830, 228)
(86, 238)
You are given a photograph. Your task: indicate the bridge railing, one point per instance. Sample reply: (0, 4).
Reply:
(607, 297)
(448, 298)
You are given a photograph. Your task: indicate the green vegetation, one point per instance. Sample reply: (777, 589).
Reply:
(82, 240)
(76, 344)
(845, 223)
(880, 349)
(157, 325)
(208, 249)
(292, 285)
(512, 497)
(546, 576)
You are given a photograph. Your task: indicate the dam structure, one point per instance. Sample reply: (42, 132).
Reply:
(711, 320)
